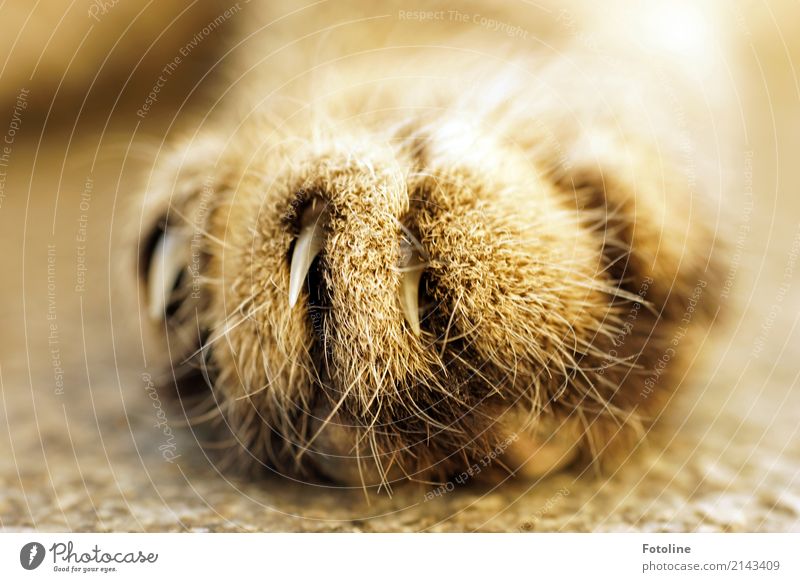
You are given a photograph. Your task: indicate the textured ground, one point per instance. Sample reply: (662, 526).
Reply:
(88, 458)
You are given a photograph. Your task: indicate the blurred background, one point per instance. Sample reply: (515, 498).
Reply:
(82, 435)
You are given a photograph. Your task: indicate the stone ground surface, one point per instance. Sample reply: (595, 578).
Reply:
(88, 459)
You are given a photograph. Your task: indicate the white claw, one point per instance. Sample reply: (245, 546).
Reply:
(409, 297)
(307, 247)
(166, 264)
(411, 266)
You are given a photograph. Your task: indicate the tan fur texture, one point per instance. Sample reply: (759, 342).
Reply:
(567, 254)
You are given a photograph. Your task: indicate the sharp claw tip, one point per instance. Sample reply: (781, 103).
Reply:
(306, 248)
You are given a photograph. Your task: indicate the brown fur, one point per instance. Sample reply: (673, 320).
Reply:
(540, 244)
